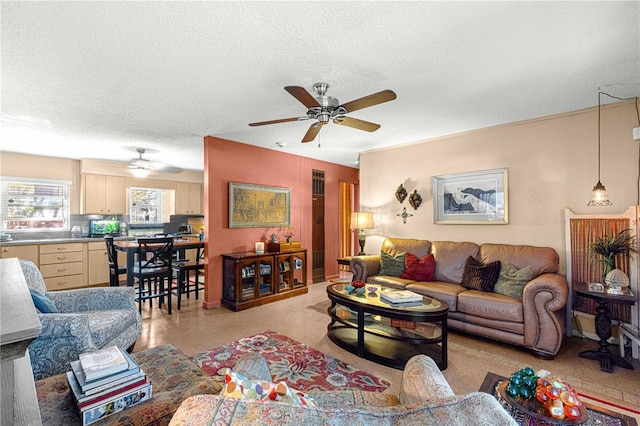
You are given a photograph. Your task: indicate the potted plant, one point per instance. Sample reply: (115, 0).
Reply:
(605, 249)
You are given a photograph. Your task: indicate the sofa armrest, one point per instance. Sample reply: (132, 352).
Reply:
(476, 408)
(422, 381)
(544, 300)
(93, 299)
(63, 337)
(364, 266)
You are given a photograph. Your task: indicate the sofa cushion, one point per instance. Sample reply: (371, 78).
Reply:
(445, 292)
(394, 246)
(419, 269)
(392, 265)
(512, 280)
(541, 259)
(450, 259)
(42, 303)
(387, 281)
(480, 276)
(238, 386)
(491, 305)
(108, 324)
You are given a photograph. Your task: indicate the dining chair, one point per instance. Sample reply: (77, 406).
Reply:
(153, 271)
(114, 269)
(183, 269)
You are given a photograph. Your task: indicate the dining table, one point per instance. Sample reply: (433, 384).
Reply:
(130, 247)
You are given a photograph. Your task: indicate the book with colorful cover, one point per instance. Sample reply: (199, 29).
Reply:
(83, 400)
(89, 387)
(399, 296)
(106, 408)
(103, 362)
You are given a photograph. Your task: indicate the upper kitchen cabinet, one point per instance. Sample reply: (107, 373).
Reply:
(105, 195)
(188, 198)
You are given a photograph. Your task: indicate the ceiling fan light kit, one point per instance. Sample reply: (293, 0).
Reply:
(140, 167)
(324, 108)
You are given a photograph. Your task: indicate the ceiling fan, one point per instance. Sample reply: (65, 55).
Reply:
(140, 167)
(323, 108)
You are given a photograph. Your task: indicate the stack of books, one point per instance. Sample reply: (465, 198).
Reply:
(400, 296)
(105, 382)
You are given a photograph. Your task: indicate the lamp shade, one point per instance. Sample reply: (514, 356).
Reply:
(139, 172)
(599, 196)
(362, 220)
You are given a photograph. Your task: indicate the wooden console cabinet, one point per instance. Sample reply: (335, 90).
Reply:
(251, 279)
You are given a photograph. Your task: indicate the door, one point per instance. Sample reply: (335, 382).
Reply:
(317, 231)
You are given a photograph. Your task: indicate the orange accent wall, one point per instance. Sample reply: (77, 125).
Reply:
(229, 161)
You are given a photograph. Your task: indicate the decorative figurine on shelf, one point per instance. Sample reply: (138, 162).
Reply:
(288, 232)
(401, 193)
(274, 238)
(415, 199)
(404, 215)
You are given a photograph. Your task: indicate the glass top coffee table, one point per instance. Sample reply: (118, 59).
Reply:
(384, 333)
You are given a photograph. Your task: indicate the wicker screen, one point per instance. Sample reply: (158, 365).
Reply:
(587, 269)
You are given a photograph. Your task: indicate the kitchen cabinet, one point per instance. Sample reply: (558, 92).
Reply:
(251, 279)
(188, 198)
(98, 263)
(27, 252)
(105, 195)
(63, 265)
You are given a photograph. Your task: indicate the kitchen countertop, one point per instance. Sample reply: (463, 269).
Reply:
(58, 241)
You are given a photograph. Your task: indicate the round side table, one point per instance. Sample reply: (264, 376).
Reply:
(603, 326)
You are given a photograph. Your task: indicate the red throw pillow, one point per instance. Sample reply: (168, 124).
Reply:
(419, 269)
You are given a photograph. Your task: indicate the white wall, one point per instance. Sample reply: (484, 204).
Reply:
(552, 164)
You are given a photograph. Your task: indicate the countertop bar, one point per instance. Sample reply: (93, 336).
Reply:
(60, 240)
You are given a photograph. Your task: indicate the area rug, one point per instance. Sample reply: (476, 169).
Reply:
(600, 412)
(302, 367)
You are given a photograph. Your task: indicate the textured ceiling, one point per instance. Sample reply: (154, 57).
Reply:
(98, 79)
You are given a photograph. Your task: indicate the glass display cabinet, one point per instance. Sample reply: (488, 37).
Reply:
(250, 279)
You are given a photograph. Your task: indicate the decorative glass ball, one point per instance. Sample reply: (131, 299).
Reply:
(617, 279)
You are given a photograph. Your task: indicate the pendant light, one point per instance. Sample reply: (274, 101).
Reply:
(599, 196)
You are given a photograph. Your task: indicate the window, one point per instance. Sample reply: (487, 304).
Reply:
(34, 204)
(145, 205)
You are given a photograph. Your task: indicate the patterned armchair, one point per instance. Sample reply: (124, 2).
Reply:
(87, 320)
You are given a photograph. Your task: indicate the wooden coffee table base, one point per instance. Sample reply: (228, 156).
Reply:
(362, 324)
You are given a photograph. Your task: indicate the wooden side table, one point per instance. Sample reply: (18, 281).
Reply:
(603, 326)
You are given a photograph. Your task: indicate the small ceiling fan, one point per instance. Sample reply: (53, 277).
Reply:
(323, 108)
(141, 167)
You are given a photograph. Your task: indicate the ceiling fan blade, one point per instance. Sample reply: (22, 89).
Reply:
(367, 126)
(282, 120)
(301, 94)
(371, 100)
(312, 132)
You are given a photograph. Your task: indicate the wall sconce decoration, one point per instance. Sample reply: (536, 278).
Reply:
(415, 199)
(401, 193)
(404, 215)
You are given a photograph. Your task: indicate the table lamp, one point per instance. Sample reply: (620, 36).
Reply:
(362, 221)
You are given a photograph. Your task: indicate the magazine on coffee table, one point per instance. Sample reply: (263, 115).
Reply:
(399, 296)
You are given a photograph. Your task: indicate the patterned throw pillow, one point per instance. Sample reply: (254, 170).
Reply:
(512, 280)
(392, 266)
(419, 269)
(42, 302)
(478, 276)
(238, 386)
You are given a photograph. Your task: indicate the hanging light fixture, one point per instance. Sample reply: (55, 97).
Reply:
(599, 196)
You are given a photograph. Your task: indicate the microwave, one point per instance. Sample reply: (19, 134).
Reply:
(100, 228)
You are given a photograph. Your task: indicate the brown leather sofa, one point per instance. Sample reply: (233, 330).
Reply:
(536, 322)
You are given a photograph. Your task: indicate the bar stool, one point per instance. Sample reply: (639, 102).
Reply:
(153, 270)
(114, 270)
(183, 269)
